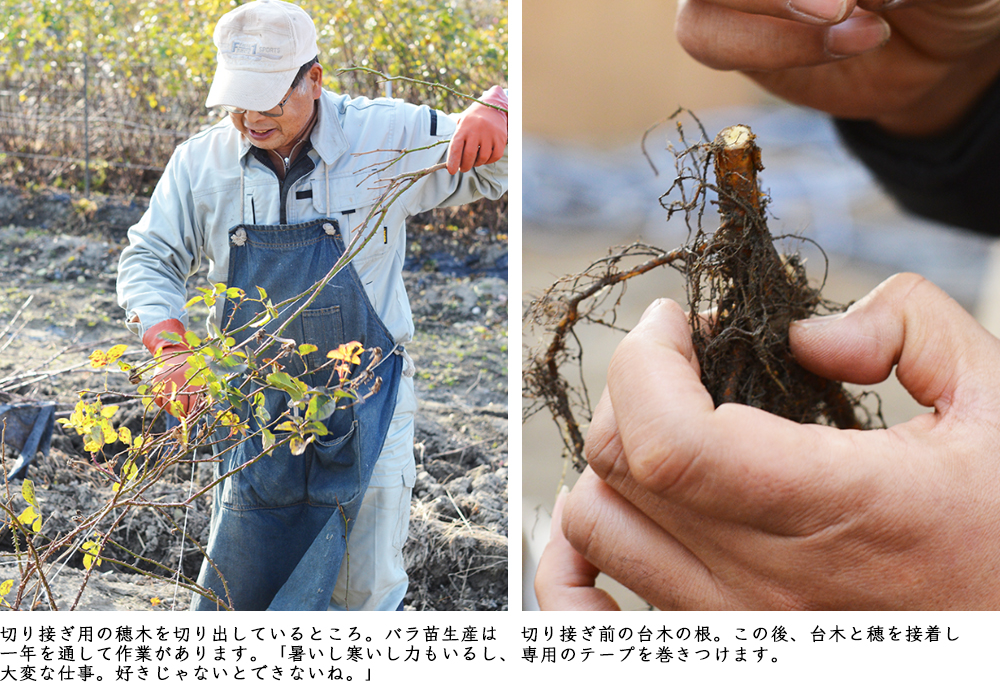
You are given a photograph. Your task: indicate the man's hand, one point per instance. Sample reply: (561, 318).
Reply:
(481, 135)
(698, 507)
(172, 388)
(912, 66)
(565, 580)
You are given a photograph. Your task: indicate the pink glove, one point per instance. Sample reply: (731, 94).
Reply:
(170, 373)
(481, 136)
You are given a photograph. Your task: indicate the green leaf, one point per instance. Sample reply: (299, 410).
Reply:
(320, 408)
(307, 348)
(341, 394)
(193, 301)
(279, 380)
(266, 439)
(319, 428)
(293, 387)
(192, 338)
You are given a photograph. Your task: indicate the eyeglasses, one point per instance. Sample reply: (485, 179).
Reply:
(270, 113)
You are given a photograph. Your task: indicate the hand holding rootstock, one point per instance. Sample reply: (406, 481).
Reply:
(698, 506)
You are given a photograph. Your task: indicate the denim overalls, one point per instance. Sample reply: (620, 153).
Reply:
(280, 528)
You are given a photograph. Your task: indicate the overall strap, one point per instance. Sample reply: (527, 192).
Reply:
(243, 199)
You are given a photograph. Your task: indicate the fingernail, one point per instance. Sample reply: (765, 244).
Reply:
(650, 309)
(856, 35)
(818, 11)
(816, 322)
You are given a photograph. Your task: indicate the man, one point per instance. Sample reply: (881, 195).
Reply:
(699, 507)
(270, 197)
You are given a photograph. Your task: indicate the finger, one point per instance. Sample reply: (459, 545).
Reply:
(564, 580)
(628, 546)
(735, 462)
(469, 155)
(491, 153)
(907, 323)
(606, 458)
(725, 39)
(807, 11)
(718, 544)
(603, 447)
(456, 149)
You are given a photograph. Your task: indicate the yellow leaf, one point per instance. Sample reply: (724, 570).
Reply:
(124, 435)
(98, 359)
(109, 411)
(116, 352)
(28, 492)
(110, 435)
(30, 519)
(261, 322)
(155, 601)
(347, 352)
(90, 550)
(5, 587)
(307, 348)
(130, 471)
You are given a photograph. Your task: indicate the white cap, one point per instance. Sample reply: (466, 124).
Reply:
(261, 46)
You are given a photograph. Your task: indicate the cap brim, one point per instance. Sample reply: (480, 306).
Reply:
(251, 90)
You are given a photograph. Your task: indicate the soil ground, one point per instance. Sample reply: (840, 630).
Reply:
(58, 260)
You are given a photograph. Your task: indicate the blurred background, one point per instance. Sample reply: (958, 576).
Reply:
(596, 76)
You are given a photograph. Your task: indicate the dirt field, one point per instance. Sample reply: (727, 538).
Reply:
(57, 304)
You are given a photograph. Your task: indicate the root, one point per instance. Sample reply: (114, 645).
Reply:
(751, 294)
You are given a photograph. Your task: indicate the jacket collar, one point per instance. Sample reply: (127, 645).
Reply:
(328, 137)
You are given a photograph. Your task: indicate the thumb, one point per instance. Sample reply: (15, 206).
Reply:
(907, 323)
(565, 580)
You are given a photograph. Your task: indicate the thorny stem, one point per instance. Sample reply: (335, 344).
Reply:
(93, 564)
(32, 550)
